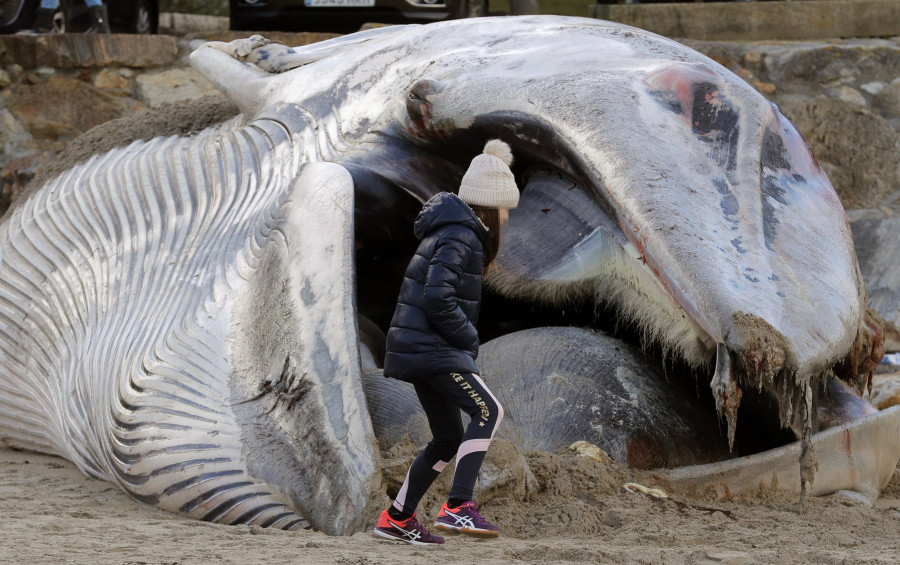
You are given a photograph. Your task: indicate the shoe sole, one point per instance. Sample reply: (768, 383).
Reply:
(483, 534)
(385, 535)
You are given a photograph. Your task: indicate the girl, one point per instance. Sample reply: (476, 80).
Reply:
(433, 343)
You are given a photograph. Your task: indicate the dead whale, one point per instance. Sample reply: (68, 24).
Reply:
(179, 315)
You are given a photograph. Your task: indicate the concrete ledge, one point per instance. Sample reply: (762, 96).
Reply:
(750, 21)
(88, 50)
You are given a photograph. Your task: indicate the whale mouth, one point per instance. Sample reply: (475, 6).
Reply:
(545, 280)
(574, 254)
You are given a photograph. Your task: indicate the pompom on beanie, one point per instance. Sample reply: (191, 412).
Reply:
(489, 182)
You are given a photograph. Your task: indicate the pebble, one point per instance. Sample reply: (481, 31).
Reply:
(850, 94)
(612, 517)
(873, 88)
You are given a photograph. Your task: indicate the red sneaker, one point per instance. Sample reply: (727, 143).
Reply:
(465, 520)
(408, 531)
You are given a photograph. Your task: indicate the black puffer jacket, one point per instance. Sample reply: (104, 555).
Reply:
(433, 329)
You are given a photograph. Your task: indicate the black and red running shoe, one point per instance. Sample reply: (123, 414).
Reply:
(408, 531)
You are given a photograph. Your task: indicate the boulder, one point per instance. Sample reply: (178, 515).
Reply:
(62, 107)
(113, 82)
(876, 234)
(889, 98)
(174, 85)
(850, 95)
(833, 62)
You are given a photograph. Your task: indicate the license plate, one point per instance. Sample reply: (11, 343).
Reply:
(339, 3)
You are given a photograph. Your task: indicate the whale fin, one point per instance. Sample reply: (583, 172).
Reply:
(224, 66)
(243, 69)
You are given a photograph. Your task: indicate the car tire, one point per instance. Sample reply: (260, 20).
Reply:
(144, 20)
(471, 9)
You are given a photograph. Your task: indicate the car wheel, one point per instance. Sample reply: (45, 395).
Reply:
(471, 9)
(144, 14)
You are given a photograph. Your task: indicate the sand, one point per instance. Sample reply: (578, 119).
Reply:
(52, 513)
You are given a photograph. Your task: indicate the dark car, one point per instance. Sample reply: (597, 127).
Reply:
(344, 16)
(125, 16)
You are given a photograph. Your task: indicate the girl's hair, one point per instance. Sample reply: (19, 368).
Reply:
(490, 217)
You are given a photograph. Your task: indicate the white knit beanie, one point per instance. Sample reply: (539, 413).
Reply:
(489, 182)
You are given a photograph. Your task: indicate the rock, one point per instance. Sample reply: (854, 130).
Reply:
(764, 87)
(833, 63)
(753, 59)
(15, 71)
(72, 50)
(113, 82)
(873, 88)
(852, 145)
(505, 474)
(155, 89)
(850, 95)
(12, 132)
(876, 235)
(889, 98)
(61, 107)
(885, 391)
(612, 517)
(586, 449)
(891, 337)
(5, 79)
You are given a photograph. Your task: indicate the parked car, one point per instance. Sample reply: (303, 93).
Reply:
(125, 16)
(344, 16)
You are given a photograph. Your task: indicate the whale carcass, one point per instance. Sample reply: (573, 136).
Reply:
(181, 316)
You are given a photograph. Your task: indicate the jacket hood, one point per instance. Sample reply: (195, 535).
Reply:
(446, 208)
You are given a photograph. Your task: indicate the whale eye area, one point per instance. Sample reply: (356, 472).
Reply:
(419, 102)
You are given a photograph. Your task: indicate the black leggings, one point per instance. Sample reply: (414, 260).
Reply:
(442, 397)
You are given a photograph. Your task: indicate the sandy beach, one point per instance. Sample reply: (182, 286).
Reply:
(52, 513)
